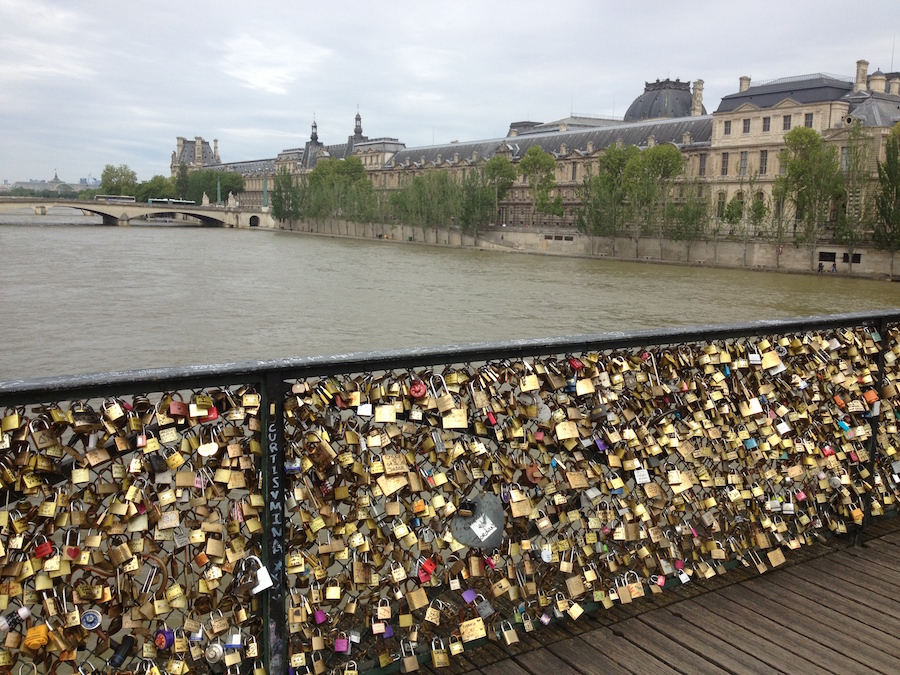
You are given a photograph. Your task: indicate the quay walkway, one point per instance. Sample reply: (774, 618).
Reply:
(833, 608)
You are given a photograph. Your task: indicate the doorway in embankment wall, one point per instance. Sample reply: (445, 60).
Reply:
(254, 221)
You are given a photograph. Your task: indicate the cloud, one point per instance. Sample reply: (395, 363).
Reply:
(270, 66)
(41, 41)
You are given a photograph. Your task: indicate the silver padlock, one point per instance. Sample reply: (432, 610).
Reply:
(263, 579)
(214, 653)
(235, 640)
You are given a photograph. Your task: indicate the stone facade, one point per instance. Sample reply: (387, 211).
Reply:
(741, 138)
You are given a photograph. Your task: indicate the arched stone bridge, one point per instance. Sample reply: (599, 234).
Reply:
(121, 213)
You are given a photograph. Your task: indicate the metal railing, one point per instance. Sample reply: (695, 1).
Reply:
(277, 383)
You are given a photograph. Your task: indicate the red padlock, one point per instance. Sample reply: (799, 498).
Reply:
(44, 549)
(417, 389)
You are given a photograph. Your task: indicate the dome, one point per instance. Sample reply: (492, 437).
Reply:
(666, 98)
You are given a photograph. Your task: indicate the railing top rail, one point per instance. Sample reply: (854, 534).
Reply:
(45, 389)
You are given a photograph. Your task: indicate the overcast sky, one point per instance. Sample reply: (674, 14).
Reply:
(85, 84)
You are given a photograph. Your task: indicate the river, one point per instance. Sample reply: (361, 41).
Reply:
(80, 298)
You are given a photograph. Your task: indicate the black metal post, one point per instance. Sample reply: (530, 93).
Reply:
(275, 532)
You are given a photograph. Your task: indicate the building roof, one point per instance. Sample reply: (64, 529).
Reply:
(250, 167)
(571, 122)
(814, 88)
(634, 133)
(189, 153)
(666, 98)
(873, 109)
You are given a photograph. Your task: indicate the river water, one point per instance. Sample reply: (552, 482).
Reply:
(81, 298)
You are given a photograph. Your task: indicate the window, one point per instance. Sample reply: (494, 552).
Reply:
(728, 128)
(724, 171)
(720, 204)
(767, 123)
(844, 159)
(857, 257)
(786, 123)
(763, 162)
(825, 256)
(574, 171)
(743, 170)
(702, 170)
(747, 126)
(807, 120)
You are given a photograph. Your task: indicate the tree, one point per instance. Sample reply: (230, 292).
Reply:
(604, 209)
(649, 177)
(538, 168)
(429, 200)
(160, 187)
(857, 216)
(689, 216)
(207, 182)
(501, 174)
(340, 188)
(887, 198)
(118, 180)
(285, 197)
(775, 227)
(812, 181)
(477, 201)
(182, 182)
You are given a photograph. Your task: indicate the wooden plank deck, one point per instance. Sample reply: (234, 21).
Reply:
(835, 611)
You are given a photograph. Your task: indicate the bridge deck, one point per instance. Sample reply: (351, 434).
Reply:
(832, 609)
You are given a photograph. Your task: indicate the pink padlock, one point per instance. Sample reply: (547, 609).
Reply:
(320, 616)
(342, 644)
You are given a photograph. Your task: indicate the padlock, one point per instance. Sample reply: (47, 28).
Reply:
(263, 579)
(214, 652)
(44, 548)
(510, 636)
(164, 638)
(234, 640)
(342, 644)
(439, 656)
(409, 662)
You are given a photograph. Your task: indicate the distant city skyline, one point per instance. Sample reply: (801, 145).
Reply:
(87, 85)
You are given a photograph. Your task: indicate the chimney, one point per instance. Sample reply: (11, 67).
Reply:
(745, 83)
(862, 69)
(179, 147)
(876, 82)
(216, 150)
(198, 150)
(686, 138)
(894, 87)
(651, 141)
(697, 99)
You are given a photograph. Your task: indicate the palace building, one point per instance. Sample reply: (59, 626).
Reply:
(740, 139)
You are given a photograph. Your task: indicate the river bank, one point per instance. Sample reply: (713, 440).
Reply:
(752, 255)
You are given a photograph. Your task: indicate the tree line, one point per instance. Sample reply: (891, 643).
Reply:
(122, 180)
(820, 194)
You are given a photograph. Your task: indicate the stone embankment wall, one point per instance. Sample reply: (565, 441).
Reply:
(724, 253)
